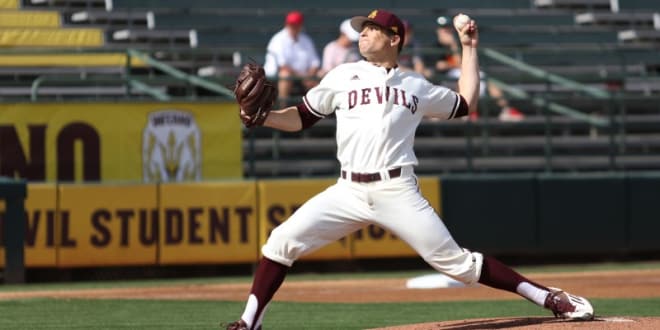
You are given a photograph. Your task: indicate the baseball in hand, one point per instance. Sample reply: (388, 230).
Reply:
(460, 21)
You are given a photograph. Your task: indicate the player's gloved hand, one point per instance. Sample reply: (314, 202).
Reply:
(254, 94)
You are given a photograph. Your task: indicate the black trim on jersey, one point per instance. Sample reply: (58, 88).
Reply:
(463, 108)
(453, 109)
(307, 117)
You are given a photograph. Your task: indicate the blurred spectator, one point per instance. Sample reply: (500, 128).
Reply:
(411, 58)
(450, 65)
(341, 50)
(448, 45)
(291, 58)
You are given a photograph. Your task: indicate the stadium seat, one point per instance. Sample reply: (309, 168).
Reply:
(584, 41)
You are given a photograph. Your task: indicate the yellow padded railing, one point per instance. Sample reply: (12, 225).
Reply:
(35, 37)
(9, 4)
(40, 19)
(68, 60)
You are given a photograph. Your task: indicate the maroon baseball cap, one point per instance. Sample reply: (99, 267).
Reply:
(382, 18)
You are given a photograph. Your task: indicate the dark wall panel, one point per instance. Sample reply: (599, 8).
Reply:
(582, 213)
(492, 214)
(644, 212)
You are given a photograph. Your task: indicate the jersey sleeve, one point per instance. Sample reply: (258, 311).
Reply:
(321, 100)
(443, 103)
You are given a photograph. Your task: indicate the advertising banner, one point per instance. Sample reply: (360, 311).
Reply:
(107, 225)
(110, 142)
(87, 225)
(41, 230)
(208, 223)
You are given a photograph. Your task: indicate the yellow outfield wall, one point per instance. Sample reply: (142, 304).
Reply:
(42, 233)
(107, 225)
(110, 142)
(223, 222)
(208, 223)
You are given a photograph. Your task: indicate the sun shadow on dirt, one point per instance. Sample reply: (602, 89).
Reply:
(507, 323)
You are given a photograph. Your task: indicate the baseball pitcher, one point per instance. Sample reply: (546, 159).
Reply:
(378, 108)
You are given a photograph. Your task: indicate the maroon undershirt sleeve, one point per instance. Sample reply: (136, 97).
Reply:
(306, 117)
(462, 108)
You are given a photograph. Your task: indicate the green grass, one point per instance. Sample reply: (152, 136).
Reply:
(156, 314)
(167, 314)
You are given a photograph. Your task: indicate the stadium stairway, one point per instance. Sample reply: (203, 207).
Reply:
(37, 45)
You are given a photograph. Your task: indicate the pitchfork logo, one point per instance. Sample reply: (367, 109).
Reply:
(171, 147)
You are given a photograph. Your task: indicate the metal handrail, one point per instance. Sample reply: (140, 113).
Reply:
(192, 79)
(553, 106)
(134, 83)
(542, 74)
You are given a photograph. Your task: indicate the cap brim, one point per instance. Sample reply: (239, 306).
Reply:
(358, 21)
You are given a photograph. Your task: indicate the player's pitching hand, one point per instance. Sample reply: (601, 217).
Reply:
(467, 30)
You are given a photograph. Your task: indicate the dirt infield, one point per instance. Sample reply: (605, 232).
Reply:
(536, 323)
(597, 284)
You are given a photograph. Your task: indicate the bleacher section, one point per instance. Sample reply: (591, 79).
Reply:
(42, 29)
(605, 45)
(9, 4)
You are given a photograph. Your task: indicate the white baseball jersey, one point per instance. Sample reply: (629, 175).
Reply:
(378, 112)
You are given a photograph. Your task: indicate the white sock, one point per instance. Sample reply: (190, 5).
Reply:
(250, 309)
(533, 293)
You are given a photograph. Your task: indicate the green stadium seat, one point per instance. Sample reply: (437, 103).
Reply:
(573, 4)
(635, 5)
(644, 19)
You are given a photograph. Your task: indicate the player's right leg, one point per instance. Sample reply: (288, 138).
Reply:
(327, 217)
(470, 267)
(565, 305)
(425, 232)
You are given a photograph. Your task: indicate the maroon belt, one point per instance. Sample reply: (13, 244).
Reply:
(371, 177)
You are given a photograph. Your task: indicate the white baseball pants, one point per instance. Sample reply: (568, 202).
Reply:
(394, 204)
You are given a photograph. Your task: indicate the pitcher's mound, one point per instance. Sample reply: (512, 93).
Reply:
(537, 323)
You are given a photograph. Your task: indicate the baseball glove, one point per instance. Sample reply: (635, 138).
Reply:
(254, 94)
